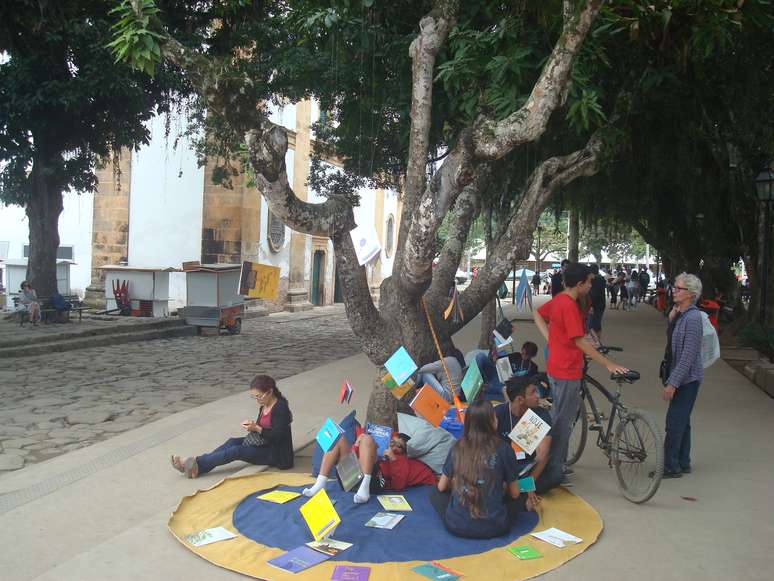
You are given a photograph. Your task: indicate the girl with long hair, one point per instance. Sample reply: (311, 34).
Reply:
(477, 494)
(267, 441)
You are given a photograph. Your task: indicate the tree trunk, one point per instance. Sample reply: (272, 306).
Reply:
(573, 236)
(43, 212)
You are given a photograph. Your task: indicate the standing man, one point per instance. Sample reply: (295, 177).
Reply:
(598, 303)
(557, 280)
(559, 321)
(536, 283)
(644, 283)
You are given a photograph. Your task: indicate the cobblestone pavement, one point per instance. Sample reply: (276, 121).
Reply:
(58, 403)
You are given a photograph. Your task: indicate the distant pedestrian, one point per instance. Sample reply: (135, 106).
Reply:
(536, 283)
(633, 288)
(598, 303)
(644, 283)
(685, 374)
(557, 280)
(624, 289)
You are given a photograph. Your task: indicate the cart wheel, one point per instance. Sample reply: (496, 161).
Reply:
(236, 328)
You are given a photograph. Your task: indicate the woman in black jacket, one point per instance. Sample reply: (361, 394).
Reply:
(268, 440)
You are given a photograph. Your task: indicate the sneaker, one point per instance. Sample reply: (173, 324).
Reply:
(686, 470)
(668, 474)
(566, 483)
(567, 471)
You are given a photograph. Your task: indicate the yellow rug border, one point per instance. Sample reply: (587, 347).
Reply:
(560, 508)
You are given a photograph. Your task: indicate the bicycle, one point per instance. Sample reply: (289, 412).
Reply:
(632, 441)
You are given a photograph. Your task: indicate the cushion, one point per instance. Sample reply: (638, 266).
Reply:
(429, 444)
(349, 424)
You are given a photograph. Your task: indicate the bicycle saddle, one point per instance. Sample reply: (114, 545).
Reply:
(629, 377)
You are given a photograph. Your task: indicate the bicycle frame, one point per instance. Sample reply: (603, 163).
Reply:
(604, 437)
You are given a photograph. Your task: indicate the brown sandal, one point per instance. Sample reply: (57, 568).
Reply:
(177, 464)
(191, 468)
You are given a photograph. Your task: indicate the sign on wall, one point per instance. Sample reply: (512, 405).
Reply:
(259, 281)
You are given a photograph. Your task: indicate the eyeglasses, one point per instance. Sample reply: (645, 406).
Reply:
(680, 288)
(260, 395)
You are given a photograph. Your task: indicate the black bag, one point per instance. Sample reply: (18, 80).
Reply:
(663, 370)
(504, 327)
(254, 439)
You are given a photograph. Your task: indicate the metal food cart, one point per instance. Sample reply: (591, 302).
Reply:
(213, 298)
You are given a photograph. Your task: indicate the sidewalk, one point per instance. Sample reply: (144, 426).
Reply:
(100, 512)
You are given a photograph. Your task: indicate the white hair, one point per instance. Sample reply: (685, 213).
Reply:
(692, 283)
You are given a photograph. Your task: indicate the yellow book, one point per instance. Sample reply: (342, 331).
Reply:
(279, 496)
(397, 390)
(393, 502)
(320, 516)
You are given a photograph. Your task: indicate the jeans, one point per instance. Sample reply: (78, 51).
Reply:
(551, 477)
(566, 394)
(432, 381)
(232, 449)
(493, 387)
(677, 444)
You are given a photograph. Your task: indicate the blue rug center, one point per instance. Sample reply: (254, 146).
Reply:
(420, 536)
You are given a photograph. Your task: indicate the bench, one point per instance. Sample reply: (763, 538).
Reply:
(48, 314)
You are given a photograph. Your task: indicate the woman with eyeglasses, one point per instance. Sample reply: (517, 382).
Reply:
(267, 441)
(684, 373)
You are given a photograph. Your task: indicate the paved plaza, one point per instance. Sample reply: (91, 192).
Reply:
(60, 402)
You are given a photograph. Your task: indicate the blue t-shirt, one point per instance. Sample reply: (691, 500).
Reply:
(506, 421)
(501, 468)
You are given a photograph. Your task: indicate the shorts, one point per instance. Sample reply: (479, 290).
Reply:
(595, 319)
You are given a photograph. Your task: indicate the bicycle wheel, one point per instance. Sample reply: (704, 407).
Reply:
(638, 456)
(578, 434)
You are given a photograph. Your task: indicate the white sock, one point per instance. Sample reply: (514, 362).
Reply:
(319, 485)
(364, 492)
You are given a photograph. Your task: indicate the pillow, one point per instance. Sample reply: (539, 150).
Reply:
(349, 424)
(429, 444)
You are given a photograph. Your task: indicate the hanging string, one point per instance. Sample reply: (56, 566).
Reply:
(457, 402)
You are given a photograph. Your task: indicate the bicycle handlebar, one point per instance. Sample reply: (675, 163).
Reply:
(629, 377)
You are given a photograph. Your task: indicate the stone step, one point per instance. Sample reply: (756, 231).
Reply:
(99, 340)
(76, 334)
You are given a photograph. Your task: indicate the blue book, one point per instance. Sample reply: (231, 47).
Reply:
(527, 484)
(298, 559)
(381, 435)
(433, 571)
(400, 366)
(471, 383)
(329, 434)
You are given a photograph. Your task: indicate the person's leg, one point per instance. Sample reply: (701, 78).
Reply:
(566, 395)
(231, 451)
(677, 418)
(432, 381)
(367, 458)
(329, 460)
(551, 477)
(493, 387)
(440, 501)
(515, 507)
(684, 457)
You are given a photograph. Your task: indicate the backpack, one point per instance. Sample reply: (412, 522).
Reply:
(710, 345)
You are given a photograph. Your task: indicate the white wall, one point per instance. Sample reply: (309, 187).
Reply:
(284, 115)
(75, 229)
(165, 206)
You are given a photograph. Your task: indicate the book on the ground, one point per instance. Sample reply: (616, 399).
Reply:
(400, 365)
(527, 484)
(366, 243)
(329, 546)
(500, 341)
(298, 559)
(381, 435)
(393, 502)
(348, 471)
(398, 391)
(384, 520)
(529, 431)
(320, 516)
(504, 371)
(556, 537)
(436, 571)
(329, 434)
(279, 496)
(345, 395)
(429, 404)
(208, 536)
(350, 573)
(471, 383)
(525, 552)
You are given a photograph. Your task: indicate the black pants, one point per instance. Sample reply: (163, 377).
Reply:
(440, 501)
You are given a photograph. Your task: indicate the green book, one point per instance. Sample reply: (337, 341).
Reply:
(524, 552)
(471, 383)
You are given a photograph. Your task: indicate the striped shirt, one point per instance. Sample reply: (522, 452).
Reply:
(686, 349)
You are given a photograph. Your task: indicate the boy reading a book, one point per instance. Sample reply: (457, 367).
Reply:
(395, 471)
(522, 395)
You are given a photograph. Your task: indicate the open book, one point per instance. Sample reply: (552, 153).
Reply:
(348, 472)
(504, 371)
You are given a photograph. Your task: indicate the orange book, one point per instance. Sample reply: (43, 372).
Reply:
(429, 404)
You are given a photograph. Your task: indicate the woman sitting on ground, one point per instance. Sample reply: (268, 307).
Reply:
(29, 302)
(478, 493)
(268, 440)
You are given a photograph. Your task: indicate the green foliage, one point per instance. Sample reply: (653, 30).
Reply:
(758, 337)
(133, 41)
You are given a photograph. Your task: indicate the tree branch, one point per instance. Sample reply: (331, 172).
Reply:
(515, 243)
(494, 139)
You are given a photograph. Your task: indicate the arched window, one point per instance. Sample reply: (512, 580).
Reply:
(389, 237)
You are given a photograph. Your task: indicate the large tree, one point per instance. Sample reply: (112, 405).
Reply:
(454, 102)
(64, 106)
